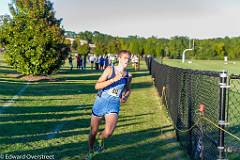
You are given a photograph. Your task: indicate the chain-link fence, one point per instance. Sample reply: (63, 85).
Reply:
(233, 117)
(183, 91)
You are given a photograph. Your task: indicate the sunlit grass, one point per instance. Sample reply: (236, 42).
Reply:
(53, 118)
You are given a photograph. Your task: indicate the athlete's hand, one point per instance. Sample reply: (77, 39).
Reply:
(123, 99)
(118, 76)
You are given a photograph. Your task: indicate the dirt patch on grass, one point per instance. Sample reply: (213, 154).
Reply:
(31, 78)
(14, 75)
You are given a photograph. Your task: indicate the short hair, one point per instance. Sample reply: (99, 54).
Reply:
(124, 52)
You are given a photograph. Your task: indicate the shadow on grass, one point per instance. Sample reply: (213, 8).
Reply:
(41, 113)
(42, 131)
(51, 116)
(140, 73)
(58, 150)
(15, 80)
(35, 131)
(84, 77)
(26, 130)
(32, 99)
(46, 109)
(10, 89)
(77, 71)
(61, 88)
(8, 70)
(4, 67)
(141, 85)
(122, 116)
(46, 136)
(49, 89)
(126, 146)
(135, 145)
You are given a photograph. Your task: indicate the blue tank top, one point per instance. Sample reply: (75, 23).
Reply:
(116, 88)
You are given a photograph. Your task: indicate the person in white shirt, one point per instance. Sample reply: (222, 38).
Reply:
(92, 59)
(135, 62)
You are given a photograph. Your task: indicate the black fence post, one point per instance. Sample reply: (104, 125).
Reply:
(222, 107)
(150, 65)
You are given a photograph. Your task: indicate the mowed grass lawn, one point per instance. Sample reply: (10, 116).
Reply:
(233, 67)
(52, 118)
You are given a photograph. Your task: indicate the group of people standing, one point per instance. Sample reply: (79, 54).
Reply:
(100, 62)
(81, 61)
(96, 62)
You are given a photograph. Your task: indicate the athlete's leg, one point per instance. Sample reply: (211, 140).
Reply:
(95, 122)
(110, 124)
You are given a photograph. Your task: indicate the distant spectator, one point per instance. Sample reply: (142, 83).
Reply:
(81, 63)
(97, 61)
(91, 59)
(70, 62)
(78, 61)
(135, 62)
(84, 61)
(76, 55)
(102, 59)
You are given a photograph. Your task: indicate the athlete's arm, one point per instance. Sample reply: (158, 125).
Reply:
(128, 90)
(103, 80)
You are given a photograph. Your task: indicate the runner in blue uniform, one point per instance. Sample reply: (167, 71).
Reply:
(113, 88)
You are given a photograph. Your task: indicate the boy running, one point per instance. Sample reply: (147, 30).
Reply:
(113, 87)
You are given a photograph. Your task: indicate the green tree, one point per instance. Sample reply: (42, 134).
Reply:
(113, 46)
(34, 39)
(213, 48)
(75, 44)
(67, 42)
(87, 35)
(100, 49)
(177, 45)
(136, 48)
(84, 49)
(150, 46)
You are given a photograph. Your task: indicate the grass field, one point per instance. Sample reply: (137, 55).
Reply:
(52, 118)
(233, 67)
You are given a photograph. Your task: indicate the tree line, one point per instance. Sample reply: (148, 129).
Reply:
(214, 48)
(35, 43)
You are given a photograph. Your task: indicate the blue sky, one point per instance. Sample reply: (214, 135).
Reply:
(161, 18)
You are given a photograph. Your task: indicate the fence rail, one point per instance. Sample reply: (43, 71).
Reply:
(183, 91)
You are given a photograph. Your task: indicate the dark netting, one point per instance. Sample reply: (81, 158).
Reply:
(233, 117)
(184, 90)
(203, 88)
